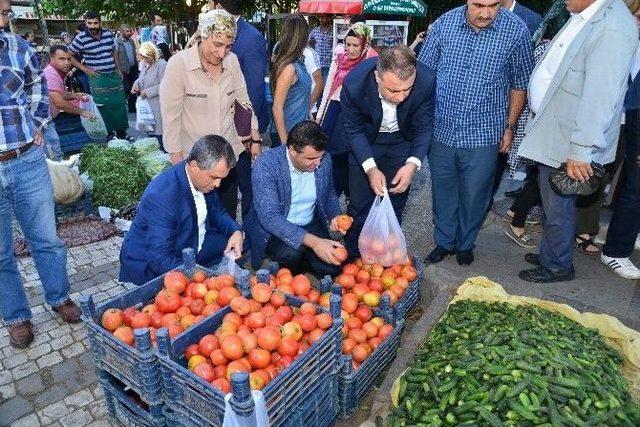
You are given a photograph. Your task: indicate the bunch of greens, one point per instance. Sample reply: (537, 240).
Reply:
(118, 176)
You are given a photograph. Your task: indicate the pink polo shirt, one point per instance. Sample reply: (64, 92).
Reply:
(55, 83)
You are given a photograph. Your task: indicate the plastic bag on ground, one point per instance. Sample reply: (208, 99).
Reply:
(381, 240)
(95, 128)
(67, 184)
(155, 162)
(228, 264)
(144, 115)
(258, 417)
(144, 146)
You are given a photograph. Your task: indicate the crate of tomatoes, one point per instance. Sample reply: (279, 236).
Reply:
(122, 331)
(288, 347)
(369, 283)
(371, 337)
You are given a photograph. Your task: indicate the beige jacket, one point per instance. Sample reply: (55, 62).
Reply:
(194, 105)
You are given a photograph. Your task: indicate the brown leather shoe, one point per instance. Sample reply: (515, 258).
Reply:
(69, 311)
(20, 334)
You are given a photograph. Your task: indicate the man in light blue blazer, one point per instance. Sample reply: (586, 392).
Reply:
(531, 18)
(576, 97)
(295, 205)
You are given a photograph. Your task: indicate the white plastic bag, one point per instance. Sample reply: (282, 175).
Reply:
(95, 127)
(228, 264)
(144, 115)
(381, 240)
(258, 417)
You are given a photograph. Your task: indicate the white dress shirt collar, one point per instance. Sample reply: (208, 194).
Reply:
(513, 6)
(590, 11)
(201, 210)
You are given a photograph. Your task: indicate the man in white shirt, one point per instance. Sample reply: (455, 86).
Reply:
(576, 97)
(387, 106)
(181, 209)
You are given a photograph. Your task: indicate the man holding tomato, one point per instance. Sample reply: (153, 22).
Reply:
(181, 209)
(293, 201)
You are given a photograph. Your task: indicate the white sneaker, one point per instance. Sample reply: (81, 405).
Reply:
(623, 267)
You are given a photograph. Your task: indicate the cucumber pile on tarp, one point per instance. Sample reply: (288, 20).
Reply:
(502, 365)
(118, 176)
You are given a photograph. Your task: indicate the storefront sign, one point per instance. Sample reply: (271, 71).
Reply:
(396, 7)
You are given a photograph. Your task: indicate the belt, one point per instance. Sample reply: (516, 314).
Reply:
(12, 154)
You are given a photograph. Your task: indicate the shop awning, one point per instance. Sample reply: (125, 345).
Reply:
(337, 7)
(396, 7)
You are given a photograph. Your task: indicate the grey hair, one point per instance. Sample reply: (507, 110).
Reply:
(399, 60)
(209, 150)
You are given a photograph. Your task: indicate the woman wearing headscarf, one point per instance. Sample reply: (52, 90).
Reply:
(148, 83)
(357, 48)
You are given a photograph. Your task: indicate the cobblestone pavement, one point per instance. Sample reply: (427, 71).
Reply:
(53, 382)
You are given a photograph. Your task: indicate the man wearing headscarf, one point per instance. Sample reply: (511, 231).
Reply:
(204, 92)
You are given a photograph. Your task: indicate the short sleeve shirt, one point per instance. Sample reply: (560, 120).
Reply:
(97, 53)
(55, 83)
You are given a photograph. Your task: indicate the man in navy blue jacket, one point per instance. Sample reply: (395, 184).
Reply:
(531, 18)
(251, 49)
(181, 209)
(293, 202)
(387, 106)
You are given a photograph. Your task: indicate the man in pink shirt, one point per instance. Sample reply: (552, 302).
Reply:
(65, 129)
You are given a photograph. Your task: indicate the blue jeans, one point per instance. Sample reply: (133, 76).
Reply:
(556, 246)
(462, 183)
(28, 192)
(52, 143)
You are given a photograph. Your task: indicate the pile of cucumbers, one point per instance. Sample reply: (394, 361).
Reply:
(495, 364)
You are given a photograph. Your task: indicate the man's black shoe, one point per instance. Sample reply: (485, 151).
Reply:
(464, 257)
(546, 275)
(513, 194)
(437, 255)
(533, 259)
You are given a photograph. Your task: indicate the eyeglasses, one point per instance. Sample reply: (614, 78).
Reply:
(8, 13)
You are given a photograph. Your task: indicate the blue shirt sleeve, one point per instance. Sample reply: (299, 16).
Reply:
(430, 52)
(521, 63)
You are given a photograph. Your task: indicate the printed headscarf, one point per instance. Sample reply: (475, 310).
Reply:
(217, 21)
(149, 50)
(344, 64)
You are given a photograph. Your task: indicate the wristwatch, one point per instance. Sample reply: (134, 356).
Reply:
(512, 128)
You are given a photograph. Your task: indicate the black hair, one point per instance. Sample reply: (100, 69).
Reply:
(307, 133)
(234, 7)
(357, 18)
(92, 15)
(209, 150)
(56, 47)
(351, 33)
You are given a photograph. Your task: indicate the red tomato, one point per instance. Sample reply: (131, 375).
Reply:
(269, 338)
(125, 333)
(192, 350)
(288, 347)
(301, 285)
(207, 344)
(175, 282)
(140, 320)
(232, 347)
(112, 319)
(167, 302)
(205, 371)
(259, 358)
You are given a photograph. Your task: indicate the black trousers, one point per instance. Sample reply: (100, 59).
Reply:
(128, 80)
(340, 169)
(303, 259)
(390, 152)
(625, 223)
(527, 199)
(239, 178)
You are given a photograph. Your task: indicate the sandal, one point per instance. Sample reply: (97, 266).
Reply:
(583, 245)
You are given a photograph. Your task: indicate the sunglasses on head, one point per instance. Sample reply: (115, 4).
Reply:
(8, 13)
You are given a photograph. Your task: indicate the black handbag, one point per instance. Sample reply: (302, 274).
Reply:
(565, 186)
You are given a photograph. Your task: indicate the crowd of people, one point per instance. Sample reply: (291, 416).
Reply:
(474, 99)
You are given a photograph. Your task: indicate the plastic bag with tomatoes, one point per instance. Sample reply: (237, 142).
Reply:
(381, 240)
(227, 265)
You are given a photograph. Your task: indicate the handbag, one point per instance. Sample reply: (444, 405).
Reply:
(562, 184)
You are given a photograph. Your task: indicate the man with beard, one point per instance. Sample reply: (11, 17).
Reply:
(128, 64)
(97, 47)
(65, 132)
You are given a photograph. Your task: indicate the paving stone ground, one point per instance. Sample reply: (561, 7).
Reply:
(53, 382)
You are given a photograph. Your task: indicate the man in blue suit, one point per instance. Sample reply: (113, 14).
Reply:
(531, 18)
(293, 201)
(181, 209)
(387, 106)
